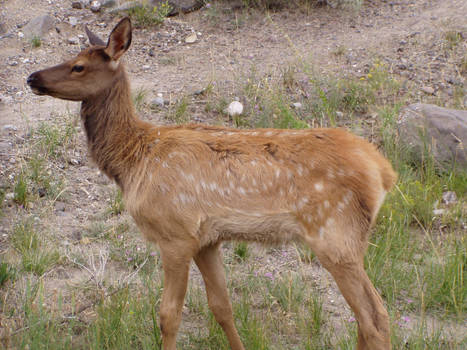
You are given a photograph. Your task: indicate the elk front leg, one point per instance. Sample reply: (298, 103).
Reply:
(176, 266)
(209, 261)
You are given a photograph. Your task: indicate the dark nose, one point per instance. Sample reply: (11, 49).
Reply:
(32, 79)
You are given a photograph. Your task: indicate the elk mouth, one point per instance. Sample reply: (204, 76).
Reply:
(40, 90)
(35, 83)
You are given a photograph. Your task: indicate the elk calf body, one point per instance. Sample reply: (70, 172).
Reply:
(191, 187)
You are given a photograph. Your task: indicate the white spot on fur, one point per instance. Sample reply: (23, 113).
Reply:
(281, 192)
(321, 232)
(253, 162)
(331, 174)
(254, 133)
(113, 65)
(326, 204)
(289, 174)
(320, 212)
(190, 177)
(347, 197)
(268, 133)
(165, 165)
(278, 173)
(241, 190)
(164, 188)
(330, 222)
(302, 202)
(300, 170)
(319, 186)
(340, 207)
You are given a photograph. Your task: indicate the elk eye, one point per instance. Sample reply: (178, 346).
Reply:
(77, 69)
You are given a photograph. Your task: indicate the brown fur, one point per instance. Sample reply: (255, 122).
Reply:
(191, 187)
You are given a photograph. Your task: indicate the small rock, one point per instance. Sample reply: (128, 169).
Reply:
(10, 127)
(339, 114)
(235, 108)
(449, 197)
(297, 105)
(59, 206)
(428, 90)
(95, 6)
(2, 28)
(439, 212)
(158, 101)
(190, 39)
(109, 3)
(6, 99)
(77, 5)
(13, 63)
(41, 192)
(9, 196)
(12, 160)
(73, 40)
(38, 27)
(73, 21)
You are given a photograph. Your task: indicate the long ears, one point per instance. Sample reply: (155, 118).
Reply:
(93, 38)
(120, 39)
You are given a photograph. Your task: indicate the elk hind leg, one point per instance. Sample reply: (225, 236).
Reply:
(366, 303)
(210, 264)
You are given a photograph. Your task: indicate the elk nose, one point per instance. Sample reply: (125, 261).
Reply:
(31, 79)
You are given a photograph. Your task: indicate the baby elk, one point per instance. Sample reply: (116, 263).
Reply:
(191, 187)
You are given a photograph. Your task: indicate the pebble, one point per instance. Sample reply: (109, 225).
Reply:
(10, 196)
(158, 101)
(73, 40)
(77, 5)
(59, 206)
(439, 211)
(95, 6)
(190, 39)
(235, 108)
(428, 90)
(297, 105)
(109, 3)
(10, 127)
(339, 114)
(73, 21)
(449, 197)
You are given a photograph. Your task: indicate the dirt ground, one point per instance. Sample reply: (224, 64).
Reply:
(407, 35)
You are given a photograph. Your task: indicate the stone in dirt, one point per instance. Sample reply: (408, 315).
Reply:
(77, 5)
(449, 197)
(440, 131)
(38, 27)
(95, 6)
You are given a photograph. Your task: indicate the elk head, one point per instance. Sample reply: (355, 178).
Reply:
(91, 72)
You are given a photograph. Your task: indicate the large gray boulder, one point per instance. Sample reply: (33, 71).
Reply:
(38, 27)
(440, 131)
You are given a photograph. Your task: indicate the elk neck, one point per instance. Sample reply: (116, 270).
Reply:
(116, 136)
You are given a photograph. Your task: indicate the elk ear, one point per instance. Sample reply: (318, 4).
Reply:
(120, 39)
(93, 38)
